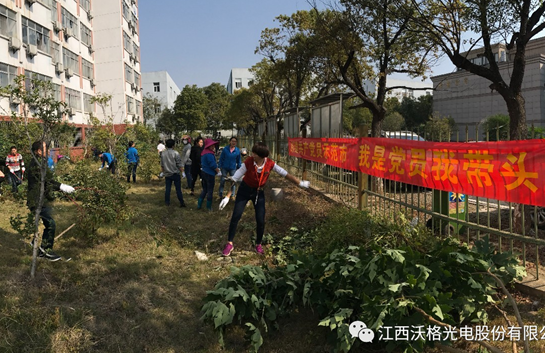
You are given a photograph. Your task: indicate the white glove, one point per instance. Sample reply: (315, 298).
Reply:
(107, 165)
(224, 203)
(23, 169)
(219, 173)
(304, 184)
(161, 175)
(99, 169)
(183, 175)
(67, 189)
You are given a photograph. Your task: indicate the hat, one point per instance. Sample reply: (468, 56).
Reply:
(210, 142)
(187, 137)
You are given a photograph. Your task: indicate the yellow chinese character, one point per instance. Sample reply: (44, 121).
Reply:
(417, 165)
(364, 156)
(378, 158)
(444, 166)
(479, 162)
(396, 157)
(305, 148)
(521, 174)
(343, 153)
(334, 152)
(312, 150)
(326, 150)
(319, 151)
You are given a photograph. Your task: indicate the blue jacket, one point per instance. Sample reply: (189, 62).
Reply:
(132, 155)
(228, 160)
(208, 163)
(107, 158)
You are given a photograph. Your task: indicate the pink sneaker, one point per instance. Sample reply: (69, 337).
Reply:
(259, 249)
(227, 250)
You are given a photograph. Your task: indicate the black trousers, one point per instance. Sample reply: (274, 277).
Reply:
(48, 237)
(245, 194)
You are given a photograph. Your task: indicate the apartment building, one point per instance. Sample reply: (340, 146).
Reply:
(468, 99)
(239, 78)
(159, 85)
(64, 42)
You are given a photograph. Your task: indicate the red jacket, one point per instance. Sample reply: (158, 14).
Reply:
(254, 179)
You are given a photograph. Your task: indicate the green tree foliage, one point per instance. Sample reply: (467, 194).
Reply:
(354, 117)
(439, 129)
(218, 103)
(168, 124)
(393, 121)
(190, 108)
(496, 127)
(152, 107)
(245, 111)
(416, 111)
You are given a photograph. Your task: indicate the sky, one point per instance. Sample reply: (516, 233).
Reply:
(200, 41)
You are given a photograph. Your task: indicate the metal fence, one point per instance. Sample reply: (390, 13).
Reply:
(470, 219)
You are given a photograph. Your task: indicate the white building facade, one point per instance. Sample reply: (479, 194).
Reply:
(79, 46)
(159, 85)
(239, 78)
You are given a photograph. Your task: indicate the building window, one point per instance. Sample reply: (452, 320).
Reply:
(57, 92)
(35, 34)
(7, 74)
(130, 105)
(54, 12)
(72, 98)
(127, 42)
(129, 76)
(8, 22)
(238, 83)
(85, 4)
(86, 69)
(70, 60)
(29, 76)
(56, 52)
(88, 107)
(85, 35)
(156, 87)
(135, 50)
(69, 21)
(138, 107)
(157, 108)
(137, 78)
(47, 3)
(126, 11)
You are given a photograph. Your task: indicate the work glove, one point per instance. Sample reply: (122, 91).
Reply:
(224, 203)
(161, 175)
(67, 189)
(219, 173)
(183, 175)
(304, 184)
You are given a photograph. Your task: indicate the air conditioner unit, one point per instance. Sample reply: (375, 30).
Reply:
(31, 50)
(131, 57)
(133, 2)
(68, 73)
(68, 32)
(57, 26)
(30, 2)
(59, 68)
(92, 82)
(131, 24)
(14, 101)
(89, 15)
(133, 86)
(91, 49)
(71, 111)
(14, 44)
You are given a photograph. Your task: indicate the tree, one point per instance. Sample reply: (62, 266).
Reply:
(393, 121)
(245, 111)
(488, 22)
(168, 124)
(416, 111)
(496, 127)
(364, 42)
(38, 104)
(190, 108)
(152, 108)
(439, 129)
(218, 103)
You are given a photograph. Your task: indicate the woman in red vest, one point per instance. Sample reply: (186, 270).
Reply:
(255, 170)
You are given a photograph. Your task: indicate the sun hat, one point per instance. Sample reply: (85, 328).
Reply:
(210, 142)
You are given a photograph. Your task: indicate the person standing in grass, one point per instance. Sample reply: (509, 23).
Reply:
(171, 166)
(229, 162)
(195, 157)
(16, 165)
(256, 171)
(108, 160)
(39, 151)
(186, 160)
(132, 160)
(208, 174)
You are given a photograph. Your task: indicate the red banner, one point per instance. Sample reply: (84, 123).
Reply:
(512, 171)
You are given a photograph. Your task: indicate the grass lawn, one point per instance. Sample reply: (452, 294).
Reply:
(139, 288)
